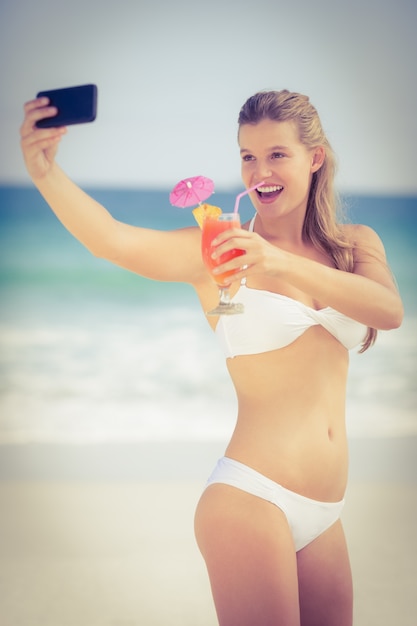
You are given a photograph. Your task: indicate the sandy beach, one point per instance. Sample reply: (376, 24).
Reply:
(100, 536)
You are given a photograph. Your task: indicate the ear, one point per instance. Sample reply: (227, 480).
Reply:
(318, 157)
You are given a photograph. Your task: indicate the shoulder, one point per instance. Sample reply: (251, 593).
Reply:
(364, 241)
(359, 235)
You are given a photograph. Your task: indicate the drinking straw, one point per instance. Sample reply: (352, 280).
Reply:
(244, 194)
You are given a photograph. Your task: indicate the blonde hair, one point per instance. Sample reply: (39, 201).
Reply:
(322, 225)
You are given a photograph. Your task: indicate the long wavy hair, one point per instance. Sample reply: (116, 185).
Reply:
(322, 224)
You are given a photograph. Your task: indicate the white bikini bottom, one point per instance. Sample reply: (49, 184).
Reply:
(307, 518)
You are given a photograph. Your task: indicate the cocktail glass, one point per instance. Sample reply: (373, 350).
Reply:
(213, 226)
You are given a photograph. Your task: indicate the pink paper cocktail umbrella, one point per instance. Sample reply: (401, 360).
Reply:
(191, 191)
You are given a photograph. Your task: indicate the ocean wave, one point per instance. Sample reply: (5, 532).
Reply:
(157, 374)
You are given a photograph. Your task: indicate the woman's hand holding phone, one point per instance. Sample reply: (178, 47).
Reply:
(39, 145)
(46, 119)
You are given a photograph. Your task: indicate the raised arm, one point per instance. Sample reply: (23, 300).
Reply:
(160, 255)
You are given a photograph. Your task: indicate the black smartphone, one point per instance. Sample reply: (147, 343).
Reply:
(76, 105)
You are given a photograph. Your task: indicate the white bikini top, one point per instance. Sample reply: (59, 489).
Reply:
(271, 321)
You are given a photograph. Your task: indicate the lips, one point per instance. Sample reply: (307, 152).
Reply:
(269, 192)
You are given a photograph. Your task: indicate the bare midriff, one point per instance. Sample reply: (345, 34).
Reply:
(291, 415)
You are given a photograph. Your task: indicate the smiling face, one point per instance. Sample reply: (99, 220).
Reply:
(272, 152)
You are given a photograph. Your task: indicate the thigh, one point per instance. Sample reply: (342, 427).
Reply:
(325, 580)
(250, 558)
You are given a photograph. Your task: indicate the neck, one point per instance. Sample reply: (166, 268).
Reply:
(280, 230)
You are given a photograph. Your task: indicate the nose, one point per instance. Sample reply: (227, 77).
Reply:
(263, 170)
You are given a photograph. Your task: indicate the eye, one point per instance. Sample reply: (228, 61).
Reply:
(277, 155)
(247, 157)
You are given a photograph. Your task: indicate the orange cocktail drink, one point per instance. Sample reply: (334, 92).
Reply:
(213, 226)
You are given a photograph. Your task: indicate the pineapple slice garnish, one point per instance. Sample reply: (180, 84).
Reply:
(205, 210)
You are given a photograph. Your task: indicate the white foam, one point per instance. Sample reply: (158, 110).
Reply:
(157, 375)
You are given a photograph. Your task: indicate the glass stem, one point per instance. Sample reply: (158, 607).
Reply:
(224, 295)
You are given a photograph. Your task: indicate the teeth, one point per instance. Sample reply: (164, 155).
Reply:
(269, 189)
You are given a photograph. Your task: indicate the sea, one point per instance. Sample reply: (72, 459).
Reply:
(91, 353)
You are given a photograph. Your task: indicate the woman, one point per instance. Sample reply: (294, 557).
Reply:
(268, 524)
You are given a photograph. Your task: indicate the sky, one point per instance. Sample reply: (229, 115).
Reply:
(172, 76)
